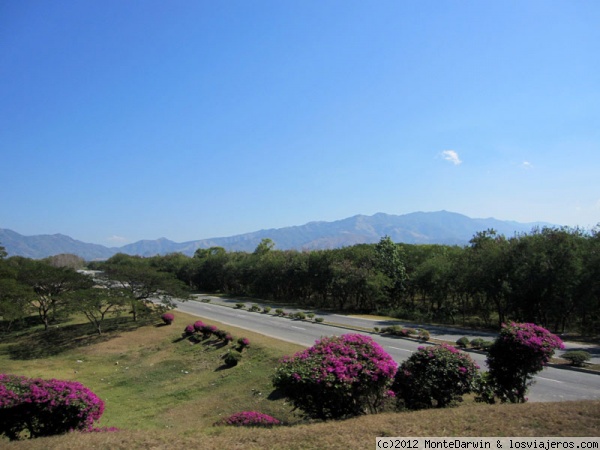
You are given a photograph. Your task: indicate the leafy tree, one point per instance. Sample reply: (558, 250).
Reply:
(3, 253)
(15, 297)
(435, 376)
(519, 352)
(143, 283)
(338, 377)
(50, 285)
(264, 247)
(390, 262)
(96, 303)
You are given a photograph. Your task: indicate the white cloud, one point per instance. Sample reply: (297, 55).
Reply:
(526, 165)
(452, 156)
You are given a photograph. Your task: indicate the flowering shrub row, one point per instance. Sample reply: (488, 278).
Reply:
(338, 377)
(435, 376)
(249, 419)
(45, 407)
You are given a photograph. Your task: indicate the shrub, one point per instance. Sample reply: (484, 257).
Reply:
(376, 329)
(205, 300)
(477, 343)
(208, 330)
(279, 312)
(266, 309)
(228, 338)
(240, 305)
(220, 334)
(319, 319)
(519, 352)
(168, 318)
(249, 419)
(189, 330)
(232, 358)
(338, 377)
(463, 342)
(310, 315)
(434, 376)
(299, 316)
(45, 407)
(243, 343)
(198, 325)
(424, 335)
(485, 345)
(411, 331)
(577, 357)
(255, 308)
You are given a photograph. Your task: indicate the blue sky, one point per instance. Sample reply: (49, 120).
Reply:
(122, 121)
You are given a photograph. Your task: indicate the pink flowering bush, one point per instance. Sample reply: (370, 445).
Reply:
(338, 377)
(34, 407)
(208, 330)
(198, 325)
(243, 343)
(168, 318)
(435, 376)
(189, 330)
(519, 352)
(250, 419)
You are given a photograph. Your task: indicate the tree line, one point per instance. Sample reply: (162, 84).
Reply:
(550, 276)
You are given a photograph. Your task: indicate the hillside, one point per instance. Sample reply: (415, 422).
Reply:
(440, 227)
(163, 392)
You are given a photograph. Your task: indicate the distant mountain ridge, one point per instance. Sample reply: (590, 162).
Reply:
(440, 227)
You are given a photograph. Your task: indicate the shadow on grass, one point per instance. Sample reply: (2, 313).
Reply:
(56, 340)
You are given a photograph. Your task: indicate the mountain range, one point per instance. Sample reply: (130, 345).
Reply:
(441, 227)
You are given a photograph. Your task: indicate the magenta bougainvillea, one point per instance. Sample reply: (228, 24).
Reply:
(435, 376)
(198, 325)
(189, 330)
(36, 407)
(338, 377)
(250, 419)
(168, 318)
(519, 352)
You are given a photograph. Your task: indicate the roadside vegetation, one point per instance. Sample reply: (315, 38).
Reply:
(163, 390)
(547, 277)
(103, 353)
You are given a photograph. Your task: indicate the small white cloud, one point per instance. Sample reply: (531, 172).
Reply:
(116, 239)
(452, 156)
(526, 165)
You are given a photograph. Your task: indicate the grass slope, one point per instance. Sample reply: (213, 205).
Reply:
(164, 392)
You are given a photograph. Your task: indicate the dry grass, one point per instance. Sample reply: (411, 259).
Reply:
(141, 376)
(556, 419)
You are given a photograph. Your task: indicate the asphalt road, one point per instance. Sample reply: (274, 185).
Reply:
(552, 384)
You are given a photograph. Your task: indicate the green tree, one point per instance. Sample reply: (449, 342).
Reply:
(50, 285)
(143, 283)
(97, 302)
(265, 246)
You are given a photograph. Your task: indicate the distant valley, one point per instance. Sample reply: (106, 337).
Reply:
(440, 227)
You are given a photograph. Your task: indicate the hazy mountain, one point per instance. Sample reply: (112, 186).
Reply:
(44, 245)
(441, 227)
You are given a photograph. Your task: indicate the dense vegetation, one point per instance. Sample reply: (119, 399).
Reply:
(550, 277)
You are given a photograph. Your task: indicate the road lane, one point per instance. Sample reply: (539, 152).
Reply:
(551, 384)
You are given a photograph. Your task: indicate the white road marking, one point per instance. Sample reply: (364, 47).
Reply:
(402, 349)
(549, 379)
(297, 328)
